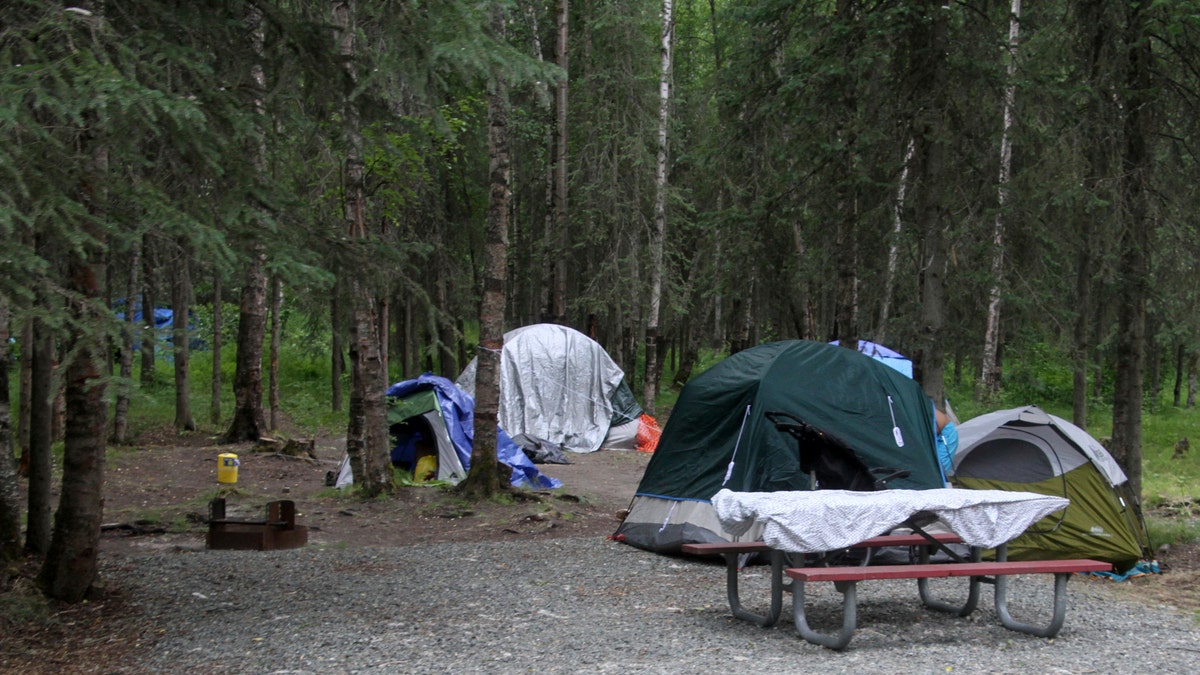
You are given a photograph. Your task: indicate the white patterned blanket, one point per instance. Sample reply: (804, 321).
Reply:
(826, 520)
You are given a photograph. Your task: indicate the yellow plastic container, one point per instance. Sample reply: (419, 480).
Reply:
(426, 469)
(227, 467)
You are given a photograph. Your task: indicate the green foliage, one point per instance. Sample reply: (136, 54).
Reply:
(1037, 372)
(304, 390)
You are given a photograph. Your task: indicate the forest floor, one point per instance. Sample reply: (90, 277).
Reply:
(156, 503)
(157, 498)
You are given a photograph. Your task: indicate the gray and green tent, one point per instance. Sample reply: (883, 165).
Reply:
(1029, 450)
(719, 437)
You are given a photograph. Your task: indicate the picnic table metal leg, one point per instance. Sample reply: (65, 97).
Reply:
(732, 568)
(1056, 620)
(837, 641)
(1060, 603)
(931, 602)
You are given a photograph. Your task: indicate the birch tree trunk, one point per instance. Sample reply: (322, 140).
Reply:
(657, 234)
(560, 176)
(989, 377)
(893, 260)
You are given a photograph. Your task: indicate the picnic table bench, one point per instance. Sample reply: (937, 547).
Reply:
(996, 573)
(734, 550)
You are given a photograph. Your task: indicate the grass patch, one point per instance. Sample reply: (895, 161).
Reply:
(23, 605)
(335, 494)
(1173, 531)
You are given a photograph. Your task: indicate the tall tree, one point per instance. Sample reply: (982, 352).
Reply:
(337, 366)
(845, 96)
(483, 481)
(366, 435)
(10, 494)
(248, 422)
(125, 388)
(561, 228)
(658, 232)
(893, 258)
(927, 86)
(989, 379)
(215, 343)
(276, 335)
(1137, 222)
(72, 561)
(25, 389)
(181, 309)
(149, 332)
(41, 402)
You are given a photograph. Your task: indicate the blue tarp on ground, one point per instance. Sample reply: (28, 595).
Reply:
(458, 414)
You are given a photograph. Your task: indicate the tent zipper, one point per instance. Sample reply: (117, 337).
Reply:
(895, 427)
(736, 445)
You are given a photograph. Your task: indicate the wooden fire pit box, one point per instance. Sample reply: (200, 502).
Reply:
(278, 531)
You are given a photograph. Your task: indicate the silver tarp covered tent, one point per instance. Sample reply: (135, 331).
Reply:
(559, 385)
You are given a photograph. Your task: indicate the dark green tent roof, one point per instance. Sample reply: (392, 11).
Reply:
(719, 419)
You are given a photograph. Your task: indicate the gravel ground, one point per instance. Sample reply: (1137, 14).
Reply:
(591, 606)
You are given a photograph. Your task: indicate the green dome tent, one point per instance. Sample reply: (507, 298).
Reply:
(719, 437)
(1029, 450)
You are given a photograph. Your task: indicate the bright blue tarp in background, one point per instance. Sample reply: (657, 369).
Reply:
(885, 355)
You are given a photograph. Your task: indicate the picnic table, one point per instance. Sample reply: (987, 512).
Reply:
(829, 520)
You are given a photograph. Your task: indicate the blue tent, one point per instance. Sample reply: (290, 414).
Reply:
(449, 414)
(885, 355)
